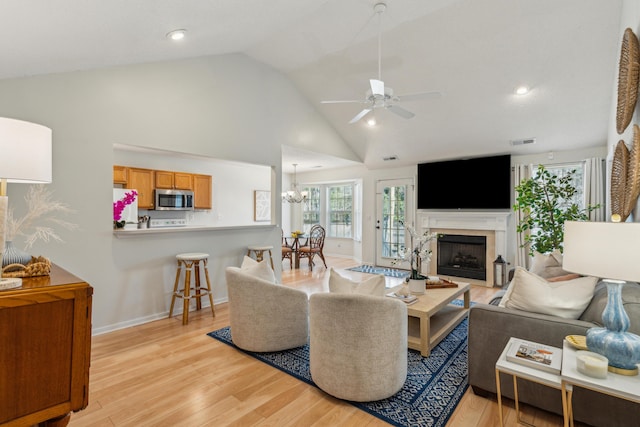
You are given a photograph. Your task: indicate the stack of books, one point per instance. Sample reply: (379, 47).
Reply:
(534, 355)
(407, 299)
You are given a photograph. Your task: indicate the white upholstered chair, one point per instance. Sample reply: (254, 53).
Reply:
(358, 345)
(265, 316)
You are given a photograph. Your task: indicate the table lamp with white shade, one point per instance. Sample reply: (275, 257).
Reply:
(25, 157)
(610, 251)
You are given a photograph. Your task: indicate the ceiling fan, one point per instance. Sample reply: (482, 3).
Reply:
(379, 95)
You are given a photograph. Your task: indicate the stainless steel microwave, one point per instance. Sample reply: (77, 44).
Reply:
(173, 200)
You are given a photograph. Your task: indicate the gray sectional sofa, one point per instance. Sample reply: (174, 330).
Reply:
(490, 327)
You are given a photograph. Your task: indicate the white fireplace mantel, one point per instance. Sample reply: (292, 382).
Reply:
(460, 220)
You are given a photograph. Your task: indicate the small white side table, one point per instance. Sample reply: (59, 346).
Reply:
(621, 386)
(536, 375)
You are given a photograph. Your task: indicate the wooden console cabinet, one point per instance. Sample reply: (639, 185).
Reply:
(45, 348)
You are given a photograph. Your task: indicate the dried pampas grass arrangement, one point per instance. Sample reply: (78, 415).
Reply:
(39, 220)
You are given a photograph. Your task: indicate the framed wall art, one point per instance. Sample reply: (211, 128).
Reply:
(261, 205)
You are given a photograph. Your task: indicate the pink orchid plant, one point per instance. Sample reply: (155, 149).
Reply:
(119, 205)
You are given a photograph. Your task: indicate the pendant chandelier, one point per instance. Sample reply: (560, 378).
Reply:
(294, 195)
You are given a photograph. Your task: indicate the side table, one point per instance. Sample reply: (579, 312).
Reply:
(536, 375)
(621, 386)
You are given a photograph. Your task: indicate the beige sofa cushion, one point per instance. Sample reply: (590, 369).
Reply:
(372, 286)
(547, 265)
(532, 293)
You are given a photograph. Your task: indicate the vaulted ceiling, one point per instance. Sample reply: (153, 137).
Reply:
(474, 53)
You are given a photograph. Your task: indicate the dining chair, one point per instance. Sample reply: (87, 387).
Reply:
(314, 246)
(287, 250)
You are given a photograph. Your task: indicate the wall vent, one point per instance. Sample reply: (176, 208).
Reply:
(525, 141)
(389, 158)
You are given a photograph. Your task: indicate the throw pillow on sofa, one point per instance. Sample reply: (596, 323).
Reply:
(372, 286)
(547, 265)
(532, 293)
(260, 269)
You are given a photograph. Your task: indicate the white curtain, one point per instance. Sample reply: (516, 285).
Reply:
(594, 187)
(521, 173)
(357, 211)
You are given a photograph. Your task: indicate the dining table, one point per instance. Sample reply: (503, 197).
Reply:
(295, 246)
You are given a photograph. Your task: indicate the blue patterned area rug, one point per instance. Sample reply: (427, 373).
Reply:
(372, 269)
(434, 385)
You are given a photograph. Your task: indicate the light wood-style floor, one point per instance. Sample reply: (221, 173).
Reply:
(165, 374)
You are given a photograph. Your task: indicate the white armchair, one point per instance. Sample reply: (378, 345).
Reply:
(358, 345)
(265, 316)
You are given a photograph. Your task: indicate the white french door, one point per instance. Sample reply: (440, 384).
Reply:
(394, 206)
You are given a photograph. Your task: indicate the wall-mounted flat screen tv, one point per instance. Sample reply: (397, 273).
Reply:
(478, 183)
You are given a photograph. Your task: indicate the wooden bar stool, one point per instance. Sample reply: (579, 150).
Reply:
(191, 261)
(259, 251)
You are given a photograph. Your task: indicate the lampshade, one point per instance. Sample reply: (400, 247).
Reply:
(25, 152)
(603, 249)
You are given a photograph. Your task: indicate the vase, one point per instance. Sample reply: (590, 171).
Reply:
(622, 348)
(13, 255)
(417, 286)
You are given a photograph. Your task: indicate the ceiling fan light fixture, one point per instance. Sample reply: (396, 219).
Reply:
(372, 121)
(176, 35)
(379, 95)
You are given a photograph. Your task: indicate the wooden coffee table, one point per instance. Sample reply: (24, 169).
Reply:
(433, 317)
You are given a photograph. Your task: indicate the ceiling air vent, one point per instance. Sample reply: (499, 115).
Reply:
(526, 141)
(389, 158)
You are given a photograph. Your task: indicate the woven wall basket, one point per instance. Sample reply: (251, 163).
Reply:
(628, 77)
(619, 179)
(632, 188)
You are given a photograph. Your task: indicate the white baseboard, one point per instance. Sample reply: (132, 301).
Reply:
(146, 319)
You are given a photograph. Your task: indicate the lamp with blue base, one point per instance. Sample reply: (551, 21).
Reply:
(622, 348)
(608, 250)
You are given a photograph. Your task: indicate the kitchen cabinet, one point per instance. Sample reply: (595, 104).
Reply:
(119, 174)
(45, 348)
(143, 182)
(174, 180)
(202, 191)
(183, 181)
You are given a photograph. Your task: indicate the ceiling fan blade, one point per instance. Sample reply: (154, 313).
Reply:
(360, 115)
(419, 96)
(345, 101)
(400, 111)
(377, 87)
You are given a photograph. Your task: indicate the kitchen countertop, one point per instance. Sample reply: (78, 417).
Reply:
(183, 229)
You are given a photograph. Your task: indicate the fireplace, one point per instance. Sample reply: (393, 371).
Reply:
(462, 256)
(490, 225)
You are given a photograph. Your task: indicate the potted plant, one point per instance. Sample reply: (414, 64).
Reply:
(419, 251)
(118, 208)
(546, 201)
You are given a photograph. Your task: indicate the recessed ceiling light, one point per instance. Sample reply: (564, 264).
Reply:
(176, 34)
(522, 90)
(371, 122)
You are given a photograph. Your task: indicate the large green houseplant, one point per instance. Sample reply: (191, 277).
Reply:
(546, 202)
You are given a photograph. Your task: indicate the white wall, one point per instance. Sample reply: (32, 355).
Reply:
(228, 107)
(630, 19)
